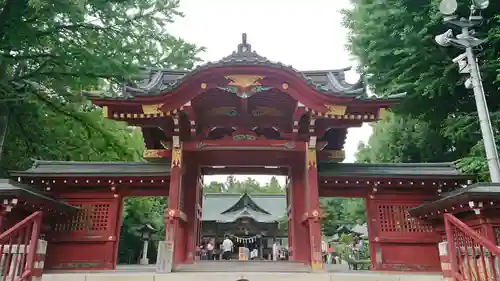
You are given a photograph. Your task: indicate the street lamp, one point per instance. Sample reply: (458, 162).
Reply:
(467, 64)
(146, 231)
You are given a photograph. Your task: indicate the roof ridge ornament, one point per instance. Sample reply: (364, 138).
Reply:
(244, 47)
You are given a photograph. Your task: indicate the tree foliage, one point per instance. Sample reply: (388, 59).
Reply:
(394, 42)
(341, 211)
(51, 50)
(138, 211)
(249, 185)
(403, 139)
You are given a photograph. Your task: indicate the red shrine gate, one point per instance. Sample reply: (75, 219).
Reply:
(243, 114)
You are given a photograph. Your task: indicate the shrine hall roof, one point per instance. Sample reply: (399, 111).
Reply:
(157, 81)
(90, 168)
(460, 196)
(221, 207)
(40, 199)
(417, 170)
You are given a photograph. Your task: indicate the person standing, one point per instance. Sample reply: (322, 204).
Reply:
(210, 249)
(276, 250)
(227, 248)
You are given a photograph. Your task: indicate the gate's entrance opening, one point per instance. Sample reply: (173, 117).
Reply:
(344, 226)
(247, 211)
(142, 226)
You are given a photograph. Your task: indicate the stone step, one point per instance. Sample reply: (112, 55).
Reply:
(243, 266)
(233, 276)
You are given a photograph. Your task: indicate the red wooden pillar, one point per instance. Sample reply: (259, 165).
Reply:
(174, 214)
(374, 247)
(313, 211)
(290, 219)
(298, 229)
(192, 190)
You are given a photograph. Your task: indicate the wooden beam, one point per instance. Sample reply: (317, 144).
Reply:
(239, 145)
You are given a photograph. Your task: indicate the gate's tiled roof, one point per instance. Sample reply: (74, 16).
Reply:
(38, 198)
(91, 168)
(157, 81)
(416, 170)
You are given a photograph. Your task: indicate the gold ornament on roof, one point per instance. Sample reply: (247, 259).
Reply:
(152, 108)
(244, 81)
(333, 109)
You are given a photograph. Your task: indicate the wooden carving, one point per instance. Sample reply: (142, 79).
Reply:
(266, 111)
(224, 110)
(333, 109)
(244, 81)
(152, 108)
(310, 158)
(176, 157)
(245, 85)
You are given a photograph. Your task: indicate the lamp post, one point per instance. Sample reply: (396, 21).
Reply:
(467, 64)
(146, 231)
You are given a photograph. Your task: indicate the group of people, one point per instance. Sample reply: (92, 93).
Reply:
(208, 251)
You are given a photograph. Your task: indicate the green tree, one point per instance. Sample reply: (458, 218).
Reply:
(138, 211)
(51, 50)
(231, 184)
(213, 187)
(394, 42)
(403, 139)
(249, 185)
(341, 211)
(283, 224)
(273, 186)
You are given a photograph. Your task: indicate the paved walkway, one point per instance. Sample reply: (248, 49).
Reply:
(147, 273)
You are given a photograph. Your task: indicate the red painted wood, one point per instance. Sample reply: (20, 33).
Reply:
(245, 145)
(313, 211)
(301, 243)
(469, 242)
(234, 170)
(23, 234)
(174, 227)
(87, 241)
(61, 183)
(393, 232)
(191, 200)
(359, 192)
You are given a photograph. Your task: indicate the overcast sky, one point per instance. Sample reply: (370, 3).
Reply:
(305, 34)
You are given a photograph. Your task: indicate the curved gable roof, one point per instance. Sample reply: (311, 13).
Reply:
(245, 203)
(156, 82)
(215, 204)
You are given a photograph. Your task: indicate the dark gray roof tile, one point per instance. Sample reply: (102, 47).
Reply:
(215, 204)
(460, 196)
(9, 188)
(155, 81)
(419, 170)
(89, 168)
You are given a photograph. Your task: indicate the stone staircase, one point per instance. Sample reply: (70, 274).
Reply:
(243, 266)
